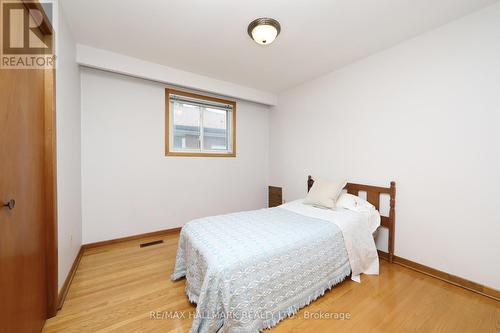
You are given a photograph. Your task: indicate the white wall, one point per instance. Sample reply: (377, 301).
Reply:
(426, 114)
(129, 187)
(69, 213)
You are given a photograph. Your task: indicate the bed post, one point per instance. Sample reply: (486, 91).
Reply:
(392, 220)
(310, 182)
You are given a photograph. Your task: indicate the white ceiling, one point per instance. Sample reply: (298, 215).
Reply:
(210, 38)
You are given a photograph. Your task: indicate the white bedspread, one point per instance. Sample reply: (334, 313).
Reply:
(246, 271)
(357, 230)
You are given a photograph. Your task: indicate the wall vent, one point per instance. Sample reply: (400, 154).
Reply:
(151, 243)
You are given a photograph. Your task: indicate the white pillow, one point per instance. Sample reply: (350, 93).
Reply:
(324, 193)
(355, 203)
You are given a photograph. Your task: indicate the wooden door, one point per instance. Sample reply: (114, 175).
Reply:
(23, 263)
(28, 233)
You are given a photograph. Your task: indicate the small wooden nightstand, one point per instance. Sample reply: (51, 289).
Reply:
(275, 196)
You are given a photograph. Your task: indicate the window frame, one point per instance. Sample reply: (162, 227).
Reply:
(201, 153)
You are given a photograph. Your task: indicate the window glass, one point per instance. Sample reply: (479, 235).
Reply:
(186, 120)
(215, 130)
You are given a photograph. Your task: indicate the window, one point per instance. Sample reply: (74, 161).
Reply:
(198, 125)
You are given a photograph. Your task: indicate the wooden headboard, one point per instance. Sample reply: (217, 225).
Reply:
(373, 196)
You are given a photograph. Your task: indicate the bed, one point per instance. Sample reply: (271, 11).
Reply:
(247, 271)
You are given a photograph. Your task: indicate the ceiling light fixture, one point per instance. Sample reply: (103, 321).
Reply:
(264, 30)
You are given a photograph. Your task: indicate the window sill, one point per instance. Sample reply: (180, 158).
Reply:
(179, 154)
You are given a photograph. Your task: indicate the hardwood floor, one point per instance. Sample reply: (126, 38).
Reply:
(118, 286)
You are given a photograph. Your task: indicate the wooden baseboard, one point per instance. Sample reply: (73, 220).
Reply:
(69, 279)
(129, 238)
(443, 276)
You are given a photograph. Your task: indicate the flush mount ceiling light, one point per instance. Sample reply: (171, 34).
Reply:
(264, 30)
